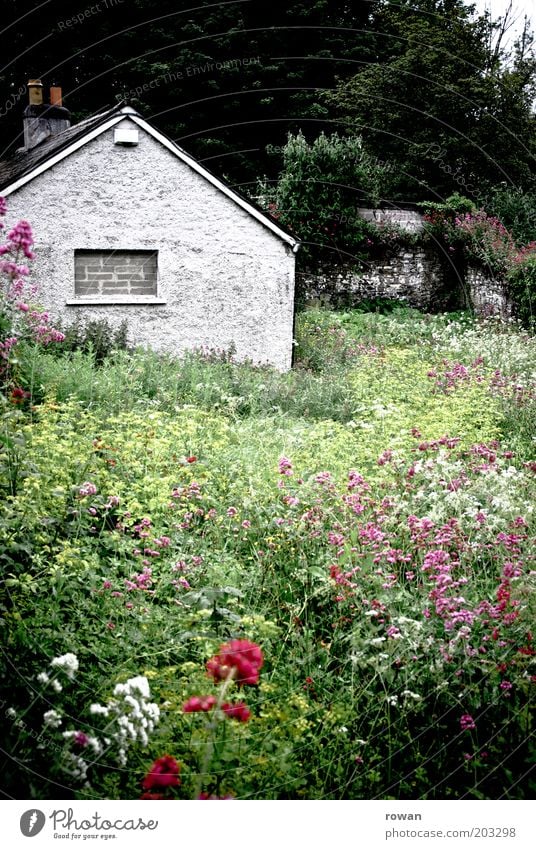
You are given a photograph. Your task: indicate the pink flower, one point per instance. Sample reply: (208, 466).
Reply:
(164, 772)
(162, 541)
(238, 711)
(384, 458)
(240, 659)
(21, 238)
(197, 704)
(183, 583)
(81, 739)
(467, 722)
(285, 467)
(87, 488)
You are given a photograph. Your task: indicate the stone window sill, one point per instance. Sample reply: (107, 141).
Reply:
(108, 301)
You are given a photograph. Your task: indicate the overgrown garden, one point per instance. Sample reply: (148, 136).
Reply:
(219, 581)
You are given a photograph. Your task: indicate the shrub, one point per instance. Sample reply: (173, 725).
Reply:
(522, 284)
(517, 211)
(97, 338)
(460, 228)
(320, 189)
(486, 240)
(21, 319)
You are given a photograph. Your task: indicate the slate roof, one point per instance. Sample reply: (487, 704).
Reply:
(24, 162)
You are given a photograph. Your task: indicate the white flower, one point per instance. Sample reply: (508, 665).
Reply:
(99, 710)
(153, 711)
(132, 717)
(140, 684)
(134, 704)
(52, 719)
(68, 662)
(95, 744)
(76, 766)
(56, 686)
(43, 678)
(11, 713)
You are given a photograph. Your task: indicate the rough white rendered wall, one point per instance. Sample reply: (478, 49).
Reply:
(227, 280)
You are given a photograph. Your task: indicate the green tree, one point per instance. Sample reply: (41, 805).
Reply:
(223, 80)
(440, 102)
(517, 211)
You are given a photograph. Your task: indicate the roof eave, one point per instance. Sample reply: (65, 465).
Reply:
(129, 112)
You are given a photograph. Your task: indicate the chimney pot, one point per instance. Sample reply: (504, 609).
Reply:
(42, 121)
(55, 95)
(35, 92)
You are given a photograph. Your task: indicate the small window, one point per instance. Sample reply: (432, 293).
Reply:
(115, 275)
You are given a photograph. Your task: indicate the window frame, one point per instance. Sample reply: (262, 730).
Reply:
(111, 299)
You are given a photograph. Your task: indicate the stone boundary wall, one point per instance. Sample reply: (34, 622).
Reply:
(488, 295)
(414, 276)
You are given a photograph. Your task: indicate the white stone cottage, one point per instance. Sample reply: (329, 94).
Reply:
(129, 227)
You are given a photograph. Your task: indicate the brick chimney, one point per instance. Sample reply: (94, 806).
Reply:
(43, 120)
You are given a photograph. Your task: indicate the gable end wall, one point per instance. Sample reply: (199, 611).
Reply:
(223, 277)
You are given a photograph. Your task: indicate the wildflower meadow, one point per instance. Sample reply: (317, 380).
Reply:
(219, 581)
